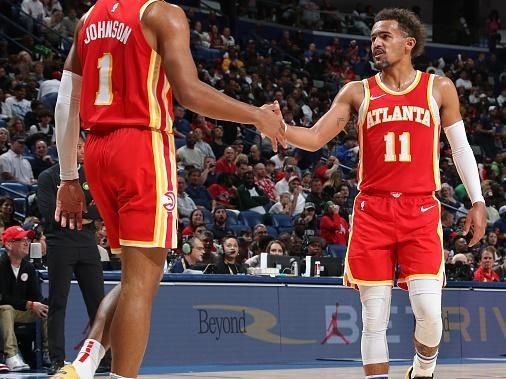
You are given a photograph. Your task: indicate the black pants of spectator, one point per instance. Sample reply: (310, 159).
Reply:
(62, 262)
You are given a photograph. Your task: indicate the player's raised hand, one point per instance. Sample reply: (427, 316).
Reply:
(478, 220)
(271, 124)
(70, 204)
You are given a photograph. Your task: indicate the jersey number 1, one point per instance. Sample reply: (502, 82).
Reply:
(405, 140)
(104, 93)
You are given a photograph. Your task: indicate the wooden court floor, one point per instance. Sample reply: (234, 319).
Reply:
(443, 371)
(446, 371)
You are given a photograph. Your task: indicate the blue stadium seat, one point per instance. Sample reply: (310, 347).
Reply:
(281, 220)
(337, 251)
(237, 228)
(272, 231)
(180, 142)
(232, 218)
(14, 189)
(20, 206)
(250, 218)
(208, 216)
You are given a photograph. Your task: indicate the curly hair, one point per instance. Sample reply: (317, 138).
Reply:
(409, 23)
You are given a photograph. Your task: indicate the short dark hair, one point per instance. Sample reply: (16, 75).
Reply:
(409, 23)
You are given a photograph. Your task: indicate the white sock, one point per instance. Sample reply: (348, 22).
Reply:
(380, 376)
(116, 376)
(424, 366)
(88, 359)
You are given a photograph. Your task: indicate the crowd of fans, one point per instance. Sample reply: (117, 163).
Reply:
(230, 182)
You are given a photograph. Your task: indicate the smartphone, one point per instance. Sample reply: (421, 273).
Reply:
(35, 250)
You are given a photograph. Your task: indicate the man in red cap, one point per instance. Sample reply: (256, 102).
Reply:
(21, 300)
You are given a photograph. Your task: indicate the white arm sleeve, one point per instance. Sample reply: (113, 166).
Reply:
(67, 124)
(464, 160)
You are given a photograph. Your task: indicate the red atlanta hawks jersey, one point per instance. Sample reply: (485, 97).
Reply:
(399, 137)
(124, 83)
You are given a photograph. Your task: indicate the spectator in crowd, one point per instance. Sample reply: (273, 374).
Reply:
(333, 228)
(209, 175)
(227, 263)
(251, 196)
(283, 206)
(196, 219)
(219, 228)
(185, 204)
(282, 185)
(316, 195)
(340, 200)
(42, 160)
(17, 127)
(12, 164)
(227, 40)
(493, 26)
(193, 253)
(447, 222)
(485, 272)
(264, 182)
(279, 158)
(447, 197)
(296, 195)
(224, 192)
(181, 125)
(7, 212)
(499, 226)
(202, 145)
(44, 127)
(309, 218)
(500, 270)
(274, 247)
(189, 155)
(492, 241)
(198, 192)
(217, 144)
(255, 156)
(332, 185)
(315, 246)
(21, 298)
(226, 164)
(33, 10)
(5, 143)
(210, 256)
(69, 23)
(48, 91)
(459, 269)
(17, 105)
(69, 252)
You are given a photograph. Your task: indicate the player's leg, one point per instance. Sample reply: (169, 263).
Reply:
(375, 316)
(98, 341)
(141, 271)
(425, 297)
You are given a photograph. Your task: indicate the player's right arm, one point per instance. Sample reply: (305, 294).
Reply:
(165, 27)
(70, 200)
(331, 123)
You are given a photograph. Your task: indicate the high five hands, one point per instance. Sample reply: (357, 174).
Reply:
(272, 125)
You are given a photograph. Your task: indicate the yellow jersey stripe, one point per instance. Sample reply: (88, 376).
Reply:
(143, 8)
(165, 92)
(173, 179)
(160, 228)
(152, 81)
(397, 93)
(435, 141)
(361, 126)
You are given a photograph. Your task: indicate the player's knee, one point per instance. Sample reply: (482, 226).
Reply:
(429, 324)
(375, 309)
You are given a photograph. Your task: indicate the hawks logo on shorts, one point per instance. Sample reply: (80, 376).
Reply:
(169, 201)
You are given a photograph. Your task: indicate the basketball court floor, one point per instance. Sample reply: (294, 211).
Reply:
(447, 369)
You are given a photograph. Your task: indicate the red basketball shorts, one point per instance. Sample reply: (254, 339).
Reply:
(132, 176)
(394, 235)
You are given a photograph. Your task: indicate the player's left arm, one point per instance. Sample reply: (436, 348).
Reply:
(463, 157)
(70, 202)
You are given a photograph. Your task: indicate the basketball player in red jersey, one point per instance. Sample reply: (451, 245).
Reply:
(396, 218)
(127, 59)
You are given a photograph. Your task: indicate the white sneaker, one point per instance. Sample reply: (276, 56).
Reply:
(16, 363)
